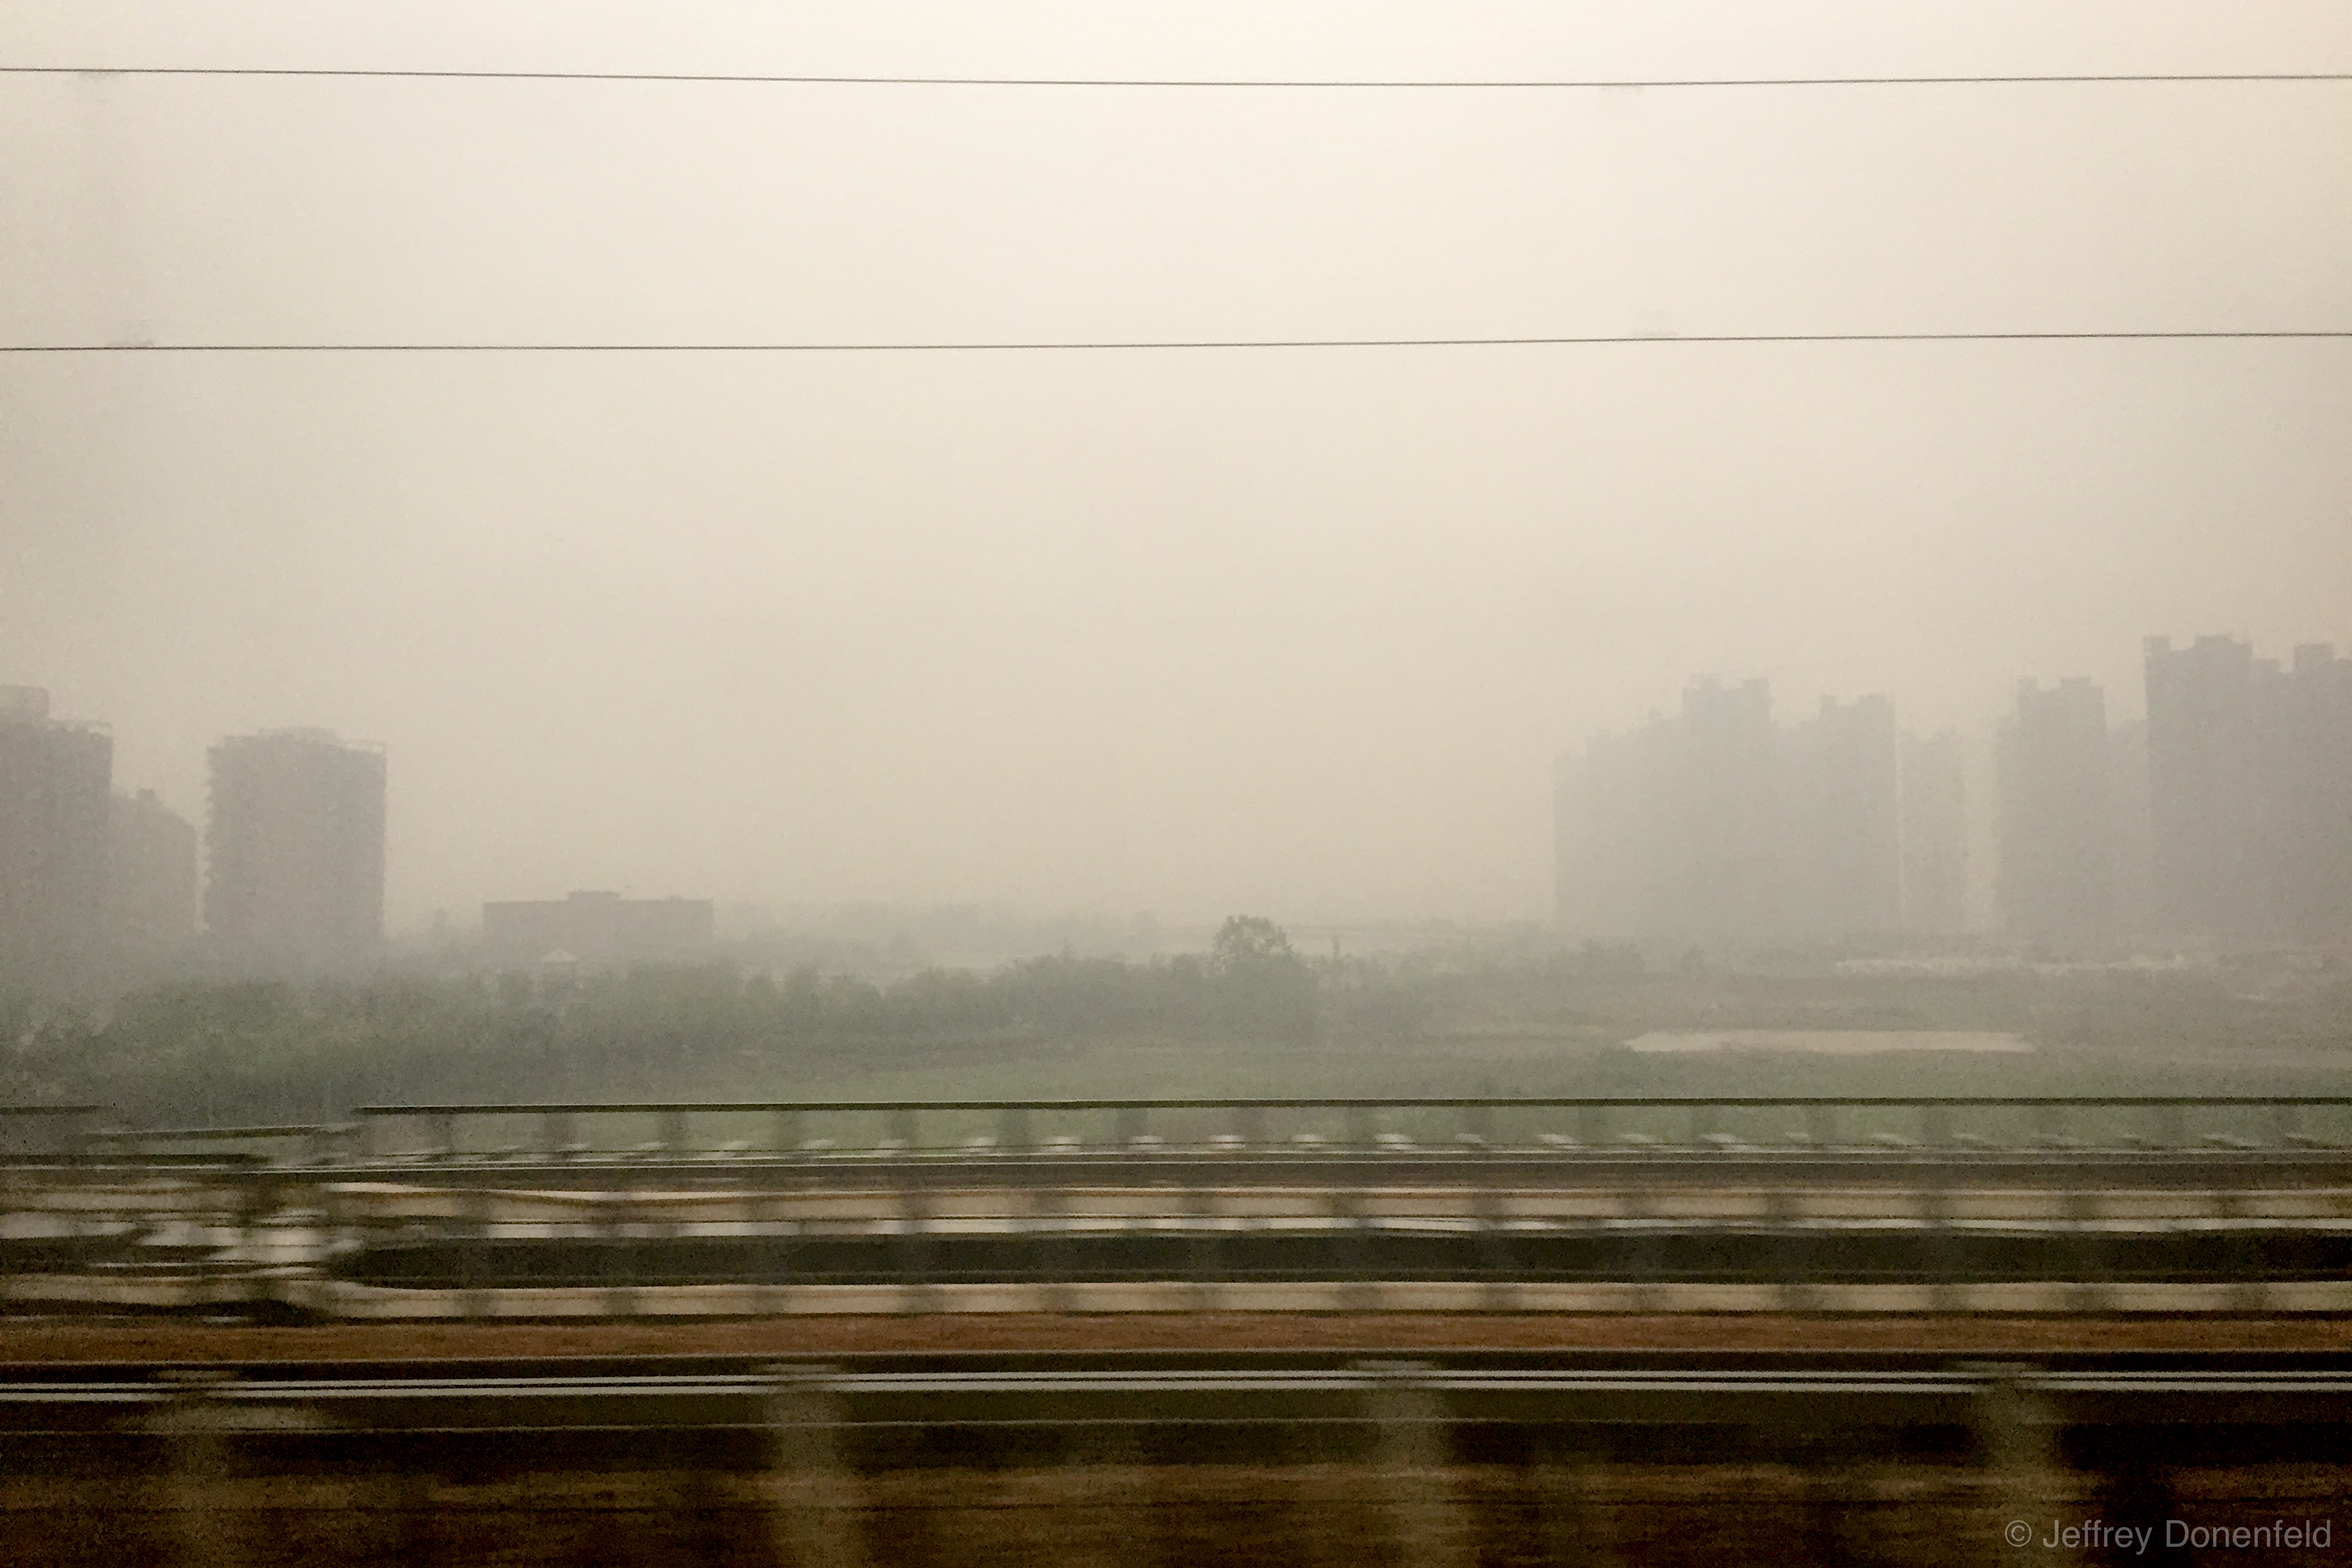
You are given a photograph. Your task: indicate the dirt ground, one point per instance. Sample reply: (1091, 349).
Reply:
(1123, 1516)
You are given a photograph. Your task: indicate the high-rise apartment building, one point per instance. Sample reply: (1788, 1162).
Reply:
(2312, 796)
(1610, 817)
(1672, 829)
(294, 879)
(2249, 792)
(2055, 804)
(150, 882)
(1717, 827)
(1842, 851)
(2205, 788)
(2223, 817)
(1722, 837)
(1934, 835)
(56, 786)
(2135, 847)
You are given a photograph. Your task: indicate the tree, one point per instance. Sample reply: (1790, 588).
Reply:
(1247, 942)
(1265, 991)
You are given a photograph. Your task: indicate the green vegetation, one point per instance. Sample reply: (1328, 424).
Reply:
(269, 1051)
(1249, 1018)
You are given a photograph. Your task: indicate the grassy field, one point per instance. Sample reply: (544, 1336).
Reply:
(1069, 1030)
(1441, 1069)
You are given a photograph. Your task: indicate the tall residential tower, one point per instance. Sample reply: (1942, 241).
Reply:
(1934, 835)
(295, 879)
(56, 796)
(2249, 792)
(151, 883)
(2057, 808)
(1717, 827)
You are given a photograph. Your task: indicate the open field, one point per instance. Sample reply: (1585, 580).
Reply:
(1408, 1027)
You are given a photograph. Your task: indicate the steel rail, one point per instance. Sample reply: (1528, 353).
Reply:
(1112, 1160)
(220, 1135)
(1682, 1102)
(1691, 1397)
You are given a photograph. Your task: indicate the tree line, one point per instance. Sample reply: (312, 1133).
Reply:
(273, 1050)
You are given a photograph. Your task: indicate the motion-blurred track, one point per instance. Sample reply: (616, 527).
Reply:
(2158, 1204)
(1451, 1457)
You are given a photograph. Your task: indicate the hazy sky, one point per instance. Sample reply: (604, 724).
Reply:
(1294, 631)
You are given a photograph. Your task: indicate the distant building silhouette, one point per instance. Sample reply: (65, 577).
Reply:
(1601, 836)
(2223, 817)
(294, 880)
(2135, 844)
(1717, 827)
(150, 883)
(1934, 835)
(1842, 852)
(2205, 788)
(56, 786)
(596, 930)
(1721, 836)
(2056, 814)
(2313, 797)
(1672, 829)
(2250, 791)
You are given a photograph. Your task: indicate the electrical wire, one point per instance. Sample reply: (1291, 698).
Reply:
(1146, 345)
(1285, 84)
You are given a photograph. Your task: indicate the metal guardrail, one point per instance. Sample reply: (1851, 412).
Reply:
(218, 1134)
(300, 1142)
(1586, 1125)
(1377, 1234)
(1783, 1197)
(1563, 1123)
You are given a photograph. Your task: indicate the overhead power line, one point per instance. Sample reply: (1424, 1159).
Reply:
(1287, 84)
(1126, 345)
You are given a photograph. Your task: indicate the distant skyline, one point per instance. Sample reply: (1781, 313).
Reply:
(1298, 633)
(1965, 821)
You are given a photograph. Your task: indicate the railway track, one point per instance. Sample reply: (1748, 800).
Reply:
(1455, 1456)
(1807, 1392)
(2157, 1205)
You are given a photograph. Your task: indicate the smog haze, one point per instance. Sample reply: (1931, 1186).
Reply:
(1183, 630)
